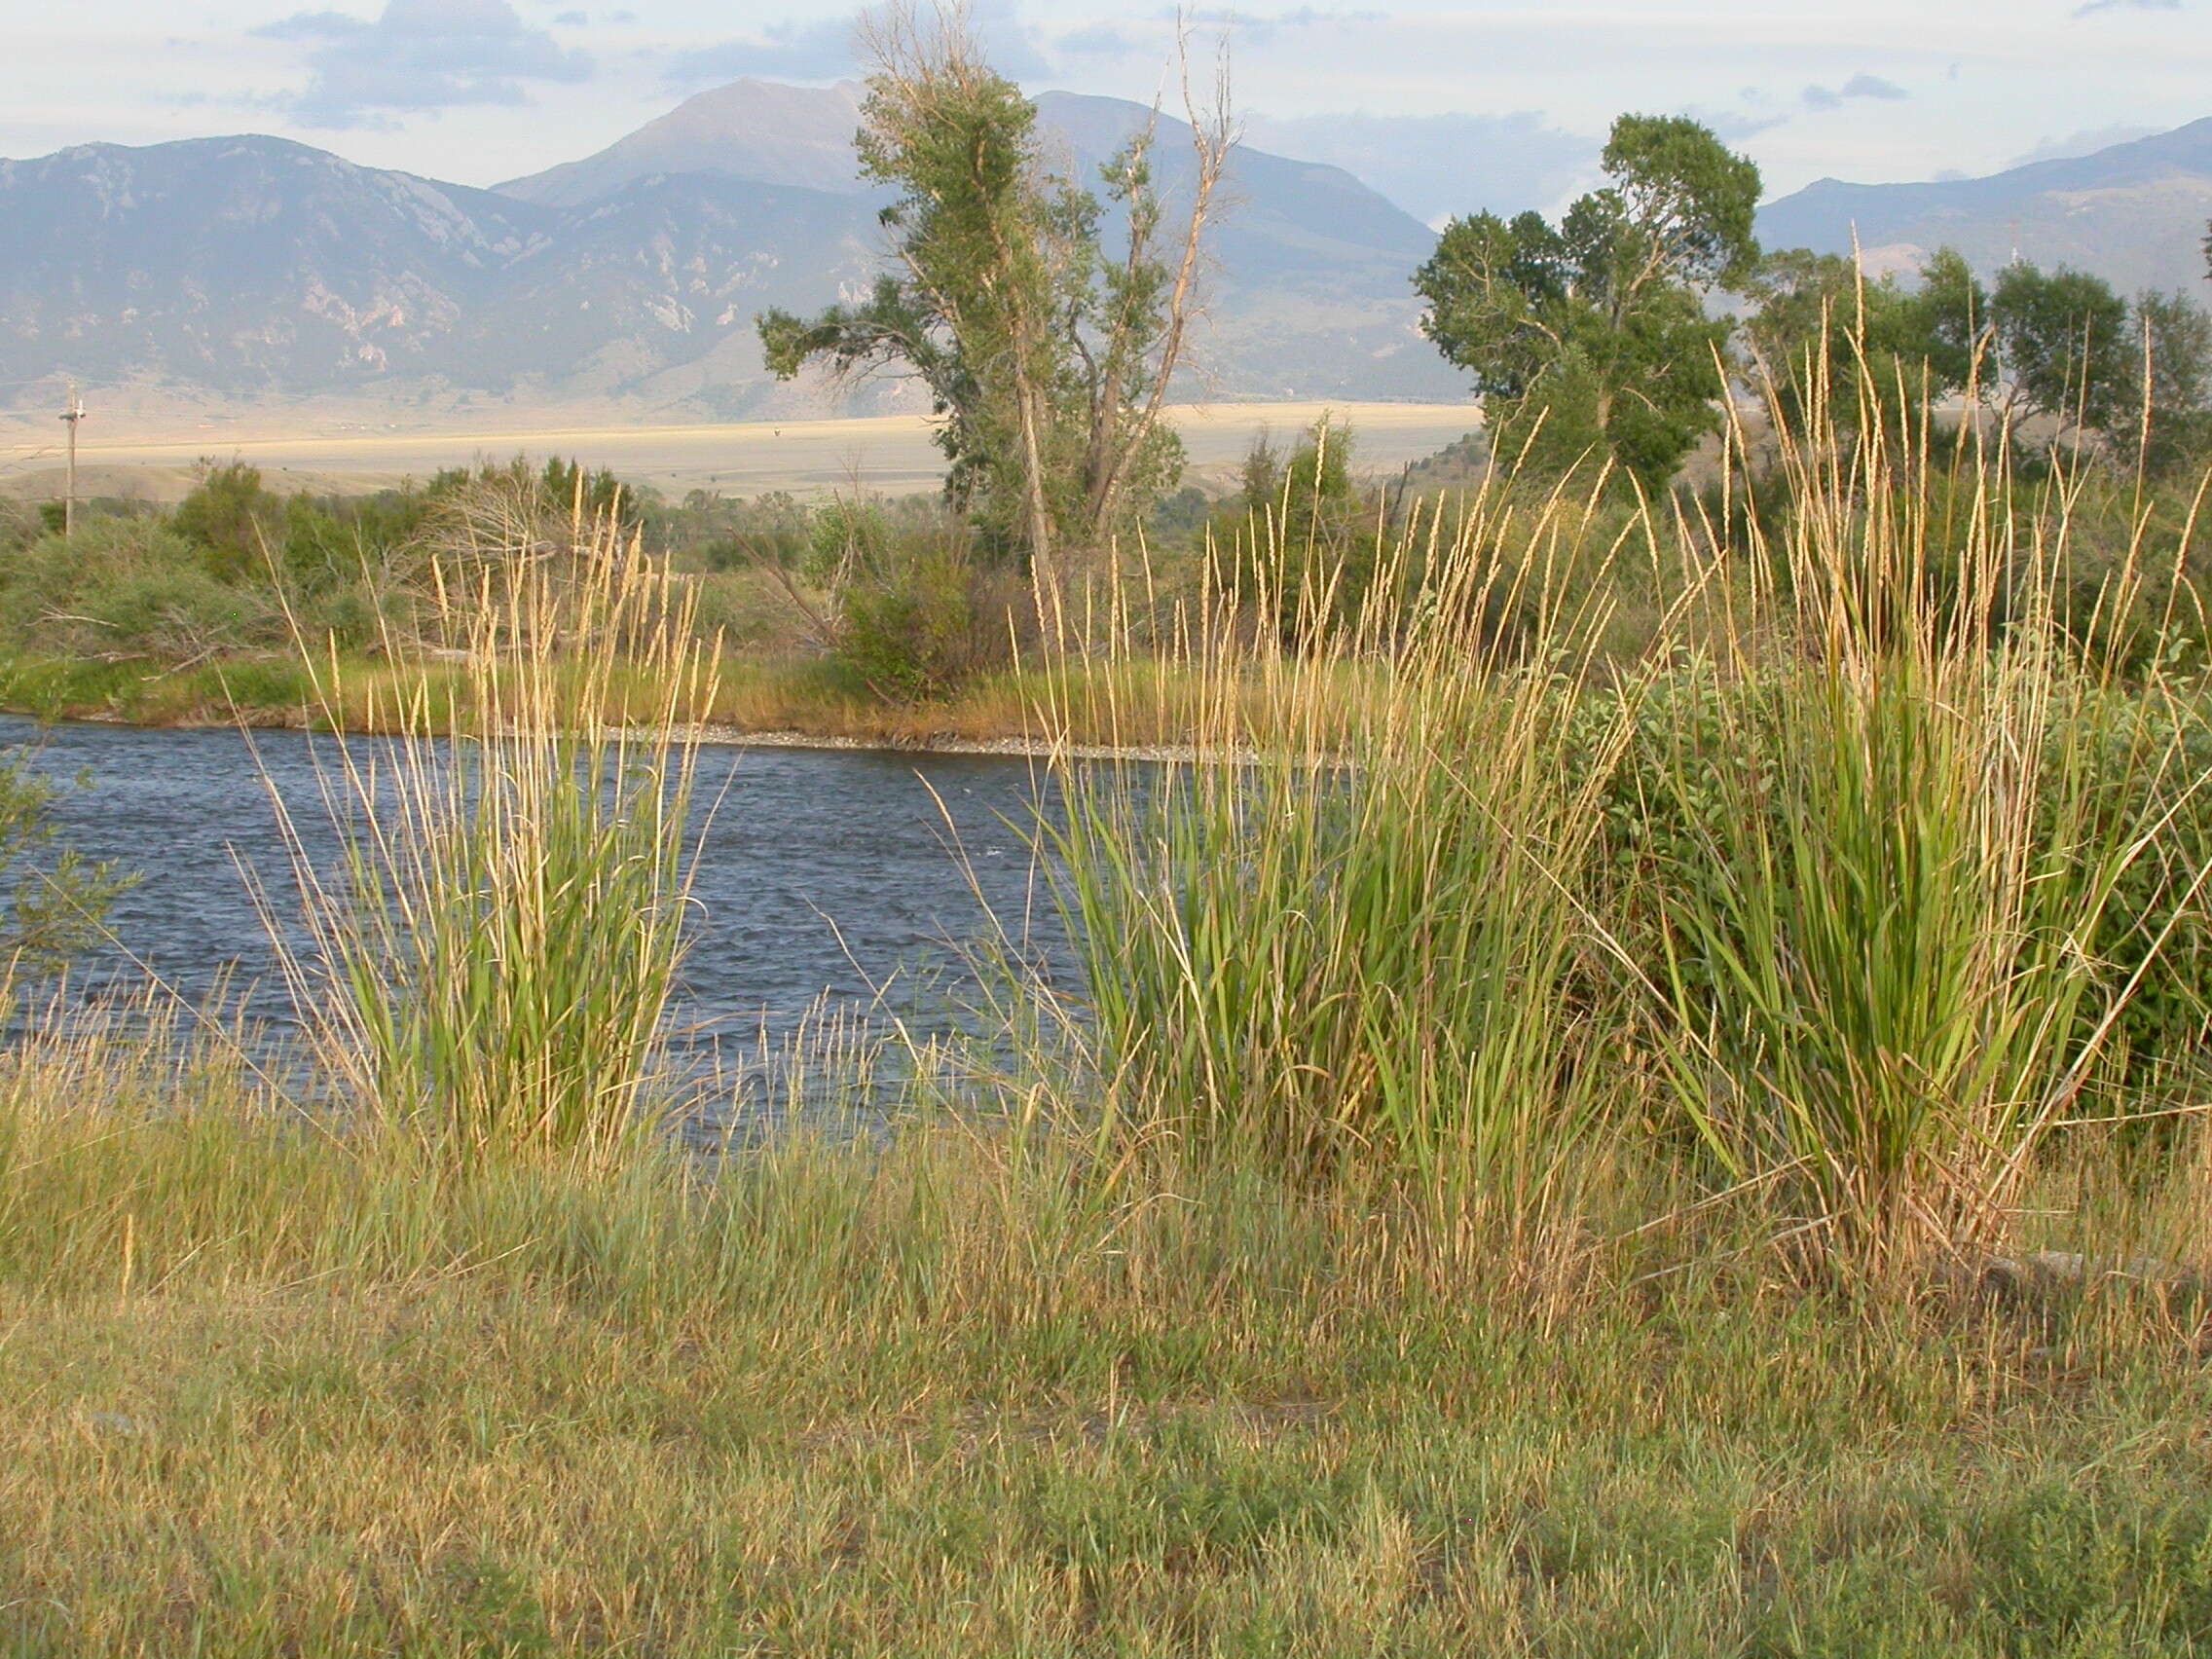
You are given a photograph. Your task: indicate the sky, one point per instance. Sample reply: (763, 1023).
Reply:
(1513, 98)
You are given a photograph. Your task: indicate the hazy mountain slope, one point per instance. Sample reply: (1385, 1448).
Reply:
(755, 129)
(252, 268)
(1308, 280)
(2134, 213)
(257, 267)
(653, 292)
(1439, 166)
(244, 263)
(1280, 218)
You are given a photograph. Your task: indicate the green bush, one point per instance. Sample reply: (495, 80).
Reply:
(129, 587)
(55, 903)
(355, 616)
(1706, 754)
(235, 522)
(922, 617)
(177, 614)
(740, 606)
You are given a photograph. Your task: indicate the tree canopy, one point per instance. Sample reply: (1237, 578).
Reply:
(1046, 357)
(2174, 378)
(1824, 333)
(2063, 345)
(1593, 333)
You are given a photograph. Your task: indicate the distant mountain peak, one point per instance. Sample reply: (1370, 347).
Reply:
(2133, 212)
(252, 266)
(764, 131)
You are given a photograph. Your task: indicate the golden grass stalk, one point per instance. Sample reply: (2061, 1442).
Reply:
(1343, 938)
(1906, 817)
(489, 968)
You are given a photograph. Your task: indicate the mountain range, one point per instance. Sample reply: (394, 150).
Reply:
(251, 269)
(2134, 213)
(255, 267)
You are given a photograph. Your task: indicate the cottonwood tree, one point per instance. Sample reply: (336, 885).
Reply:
(2173, 341)
(1826, 335)
(1599, 324)
(1048, 354)
(2062, 345)
(2064, 349)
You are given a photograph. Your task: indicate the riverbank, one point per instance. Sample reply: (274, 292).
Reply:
(755, 702)
(960, 1396)
(1119, 710)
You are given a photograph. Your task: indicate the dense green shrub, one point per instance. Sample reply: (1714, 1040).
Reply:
(130, 587)
(740, 605)
(235, 524)
(919, 618)
(1701, 745)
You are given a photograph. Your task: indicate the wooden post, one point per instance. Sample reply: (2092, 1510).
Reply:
(69, 418)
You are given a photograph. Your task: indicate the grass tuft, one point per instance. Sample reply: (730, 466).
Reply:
(491, 970)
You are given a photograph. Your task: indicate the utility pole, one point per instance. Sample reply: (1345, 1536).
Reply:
(69, 418)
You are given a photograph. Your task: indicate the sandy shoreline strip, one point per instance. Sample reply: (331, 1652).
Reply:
(1010, 748)
(717, 736)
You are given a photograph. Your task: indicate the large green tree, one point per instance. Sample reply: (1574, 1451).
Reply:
(1829, 343)
(1593, 333)
(2060, 344)
(2064, 349)
(1046, 352)
(2173, 342)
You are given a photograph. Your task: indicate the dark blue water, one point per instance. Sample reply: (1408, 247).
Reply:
(825, 878)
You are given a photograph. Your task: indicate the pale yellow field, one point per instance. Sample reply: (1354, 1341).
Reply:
(886, 453)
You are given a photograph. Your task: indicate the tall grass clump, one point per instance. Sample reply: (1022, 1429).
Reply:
(1900, 827)
(1348, 941)
(1836, 894)
(489, 968)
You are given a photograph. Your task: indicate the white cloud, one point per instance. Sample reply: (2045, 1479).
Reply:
(826, 49)
(482, 107)
(417, 55)
(2083, 143)
(1859, 85)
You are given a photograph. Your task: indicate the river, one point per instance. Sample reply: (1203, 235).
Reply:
(826, 878)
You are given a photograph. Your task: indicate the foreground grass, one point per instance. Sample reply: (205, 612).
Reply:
(272, 1394)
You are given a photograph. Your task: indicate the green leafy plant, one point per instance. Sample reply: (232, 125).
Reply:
(1347, 947)
(1881, 923)
(55, 901)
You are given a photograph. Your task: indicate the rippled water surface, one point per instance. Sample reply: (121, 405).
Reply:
(822, 874)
